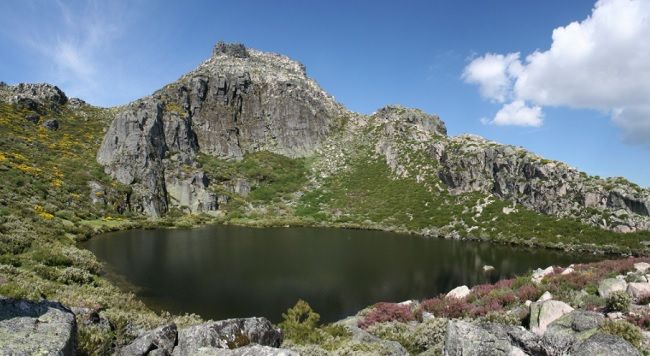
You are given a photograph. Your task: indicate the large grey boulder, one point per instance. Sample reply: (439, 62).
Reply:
(604, 345)
(610, 285)
(544, 313)
(468, 339)
(225, 334)
(161, 340)
(30, 328)
(638, 291)
(573, 327)
(253, 350)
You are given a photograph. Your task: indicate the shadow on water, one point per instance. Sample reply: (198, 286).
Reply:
(227, 271)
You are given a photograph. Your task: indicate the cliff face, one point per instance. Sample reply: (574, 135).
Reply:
(241, 101)
(236, 102)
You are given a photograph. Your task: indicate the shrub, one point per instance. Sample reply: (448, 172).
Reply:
(641, 320)
(450, 308)
(383, 312)
(427, 335)
(528, 291)
(299, 324)
(623, 329)
(618, 302)
(501, 318)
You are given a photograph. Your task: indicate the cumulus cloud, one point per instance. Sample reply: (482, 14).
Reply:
(517, 113)
(493, 73)
(601, 63)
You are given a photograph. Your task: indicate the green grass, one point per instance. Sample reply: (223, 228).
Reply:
(273, 177)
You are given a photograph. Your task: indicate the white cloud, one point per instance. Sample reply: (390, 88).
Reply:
(494, 74)
(74, 45)
(517, 113)
(601, 63)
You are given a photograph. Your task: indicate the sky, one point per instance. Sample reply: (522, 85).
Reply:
(568, 80)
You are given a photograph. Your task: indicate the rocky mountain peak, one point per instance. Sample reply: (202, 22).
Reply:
(236, 50)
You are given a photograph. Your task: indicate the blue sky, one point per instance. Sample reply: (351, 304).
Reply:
(367, 54)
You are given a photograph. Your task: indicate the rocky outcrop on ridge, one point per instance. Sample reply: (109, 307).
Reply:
(474, 164)
(30, 328)
(238, 101)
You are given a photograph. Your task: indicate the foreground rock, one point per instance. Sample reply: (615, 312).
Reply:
(228, 333)
(603, 344)
(544, 313)
(610, 285)
(161, 340)
(30, 328)
(468, 339)
(571, 328)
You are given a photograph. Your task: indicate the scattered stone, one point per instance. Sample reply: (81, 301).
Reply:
(615, 315)
(610, 285)
(28, 328)
(567, 270)
(51, 124)
(638, 291)
(539, 274)
(546, 296)
(458, 292)
(488, 268)
(33, 118)
(642, 266)
(162, 339)
(544, 313)
(603, 344)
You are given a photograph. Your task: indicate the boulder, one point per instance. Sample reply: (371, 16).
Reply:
(573, 327)
(468, 339)
(603, 344)
(33, 118)
(546, 296)
(641, 266)
(638, 291)
(610, 285)
(252, 350)
(44, 328)
(51, 124)
(458, 292)
(230, 333)
(488, 268)
(539, 274)
(544, 313)
(161, 340)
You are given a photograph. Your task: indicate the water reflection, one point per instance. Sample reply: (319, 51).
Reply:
(226, 271)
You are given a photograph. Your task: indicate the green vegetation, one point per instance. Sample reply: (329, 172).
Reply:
(623, 329)
(273, 177)
(618, 301)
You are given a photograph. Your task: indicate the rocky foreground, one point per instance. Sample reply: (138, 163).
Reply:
(589, 309)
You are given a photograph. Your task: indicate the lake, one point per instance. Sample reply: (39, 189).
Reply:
(222, 271)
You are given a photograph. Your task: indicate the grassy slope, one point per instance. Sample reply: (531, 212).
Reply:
(45, 209)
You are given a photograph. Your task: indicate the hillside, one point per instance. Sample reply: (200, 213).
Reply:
(248, 138)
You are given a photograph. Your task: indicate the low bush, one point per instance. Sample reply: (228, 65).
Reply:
(385, 312)
(623, 329)
(450, 308)
(618, 301)
(299, 324)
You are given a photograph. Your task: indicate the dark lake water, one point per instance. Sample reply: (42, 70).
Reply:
(226, 271)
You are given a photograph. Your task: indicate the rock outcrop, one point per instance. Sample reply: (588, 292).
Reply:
(39, 97)
(473, 164)
(240, 100)
(30, 328)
